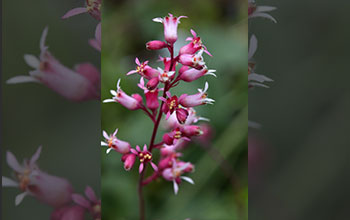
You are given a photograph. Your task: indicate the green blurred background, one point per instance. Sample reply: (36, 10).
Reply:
(305, 113)
(126, 27)
(34, 115)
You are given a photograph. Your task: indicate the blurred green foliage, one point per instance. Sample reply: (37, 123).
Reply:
(126, 27)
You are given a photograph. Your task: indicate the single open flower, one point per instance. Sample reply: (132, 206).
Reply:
(170, 27)
(194, 46)
(132, 102)
(80, 84)
(144, 70)
(195, 61)
(52, 190)
(192, 74)
(174, 174)
(144, 156)
(93, 7)
(112, 142)
(197, 99)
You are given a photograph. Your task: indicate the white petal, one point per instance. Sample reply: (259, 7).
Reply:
(264, 15)
(32, 61)
(7, 182)
(20, 197)
(160, 20)
(253, 46)
(187, 179)
(13, 163)
(108, 150)
(103, 143)
(176, 187)
(43, 39)
(35, 157)
(265, 8)
(21, 79)
(108, 100)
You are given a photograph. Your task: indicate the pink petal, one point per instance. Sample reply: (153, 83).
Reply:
(13, 163)
(154, 166)
(115, 132)
(95, 44)
(187, 179)
(89, 192)
(131, 72)
(20, 197)
(194, 34)
(80, 200)
(134, 151)
(137, 61)
(105, 135)
(138, 148)
(32, 61)
(145, 147)
(141, 167)
(73, 12)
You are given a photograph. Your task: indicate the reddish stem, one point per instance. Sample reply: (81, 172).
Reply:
(152, 145)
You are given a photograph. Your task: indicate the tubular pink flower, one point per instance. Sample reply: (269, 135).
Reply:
(144, 70)
(192, 74)
(52, 190)
(93, 7)
(194, 46)
(170, 27)
(79, 85)
(112, 142)
(129, 161)
(130, 102)
(144, 157)
(96, 43)
(195, 61)
(174, 174)
(191, 130)
(196, 99)
(156, 45)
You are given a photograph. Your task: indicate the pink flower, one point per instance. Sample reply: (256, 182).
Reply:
(260, 11)
(112, 142)
(92, 203)
(144, 70)
(191, 130)
(174, 136)
(132, 102)
(195, 61)
(144, 156)
(192, 74)
(165, 76)
(96, 43)
(174, 174)
(156, 45)
(196, 99)
(172, 105)
(73, 212)
(52, 190)
(93, 7)
(79, 85)
(170, 27)
(128, 160)
(152, 101)
(167, 63)
(194, 46)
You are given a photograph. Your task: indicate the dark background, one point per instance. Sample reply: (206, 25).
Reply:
(34, 115)
(303, 145)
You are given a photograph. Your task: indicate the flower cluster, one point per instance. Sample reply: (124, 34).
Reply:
(54, 191)
(176, 111)
(255, 79)
(79, 84)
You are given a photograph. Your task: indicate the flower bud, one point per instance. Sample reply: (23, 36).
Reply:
(152, 101)
(181, 115)
(167, 139)
(152, 83)
(128, 160)
(155, 45)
